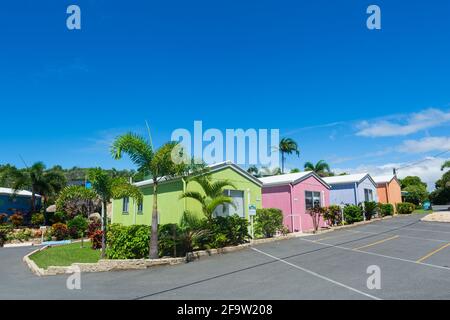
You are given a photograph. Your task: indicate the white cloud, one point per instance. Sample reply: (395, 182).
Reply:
(429, 171)
(425, 145)
(404, 124)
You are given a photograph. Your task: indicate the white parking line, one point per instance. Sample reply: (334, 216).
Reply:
(414, 229)
(402, 236)
(318, 275)
(375, 254)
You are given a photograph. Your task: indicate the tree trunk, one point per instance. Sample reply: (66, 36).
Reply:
(282, 162)
(153, 246)
(104, 223)
(33, 202)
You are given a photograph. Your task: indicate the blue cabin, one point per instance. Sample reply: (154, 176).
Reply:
(19, 201)
(352, 189)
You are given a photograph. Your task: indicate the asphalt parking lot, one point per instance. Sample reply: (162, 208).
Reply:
(413, 258)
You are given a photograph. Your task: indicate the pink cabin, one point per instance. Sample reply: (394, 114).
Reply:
(294, 194)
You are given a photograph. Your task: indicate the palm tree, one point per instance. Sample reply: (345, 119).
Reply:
(321, 168)
(154, 163)
(287, 146)
(212, 195)
(108, 187)
(37, 179)
(295, 170)
(445, 165)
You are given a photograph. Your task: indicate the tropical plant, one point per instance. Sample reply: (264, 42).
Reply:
(3, 218)
(333, 215)
(370, 209)
(37, 179)
(268, 222)
(16, 219)
(321, 168)
(287, 146)
(107, 188)
(212, 195)
(157, 164)
(60, 231)
(191, 231)
(316, 213)
(128, 242)
(440, 196)
(75, 200)
(352, 214)
(227, 231)
(78, 226)
(295, 170)
(37, 219)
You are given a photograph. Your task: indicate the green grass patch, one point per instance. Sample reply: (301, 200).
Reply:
(421, 211)
(65, 255)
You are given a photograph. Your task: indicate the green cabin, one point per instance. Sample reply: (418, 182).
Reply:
(170, 207)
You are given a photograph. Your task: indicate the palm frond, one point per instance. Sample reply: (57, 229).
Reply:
(136, 147)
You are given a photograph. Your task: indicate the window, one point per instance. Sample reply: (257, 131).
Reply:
(368, 195)
(140, 207)
(125, 204)
(312, 199)
(229, 210)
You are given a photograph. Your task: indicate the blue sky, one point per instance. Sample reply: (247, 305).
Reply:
(360, 99)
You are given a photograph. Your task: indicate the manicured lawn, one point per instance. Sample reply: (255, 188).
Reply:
(421, 211)
(65, 255)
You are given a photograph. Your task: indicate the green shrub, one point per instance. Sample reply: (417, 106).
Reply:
(268, 222)
(405, 208)
(333, 215)
(370, 209)
(386, 209)
(60, 231)
(59, 217)
(16, 219)
(128, 242)
(169, 240)
(78, 226)
(37, 219)
(233, 228)
(96, 239)
(4, 233)
(22, 235)
(352, 214)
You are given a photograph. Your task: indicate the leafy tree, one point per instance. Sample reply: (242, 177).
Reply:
(287, 146)
(76, 200)
(416, 193)
(156, 164)
(445, 165)
(295, 170)
(107, 188)
(212, 195)
(412, 180)
(321, 168)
